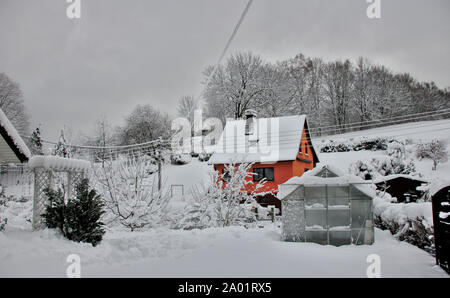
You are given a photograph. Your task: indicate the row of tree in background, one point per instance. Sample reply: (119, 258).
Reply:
(330, 93)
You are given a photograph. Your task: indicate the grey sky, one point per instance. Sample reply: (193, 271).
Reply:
(123, 53)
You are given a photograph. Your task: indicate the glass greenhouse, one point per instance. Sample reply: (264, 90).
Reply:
(326, 207)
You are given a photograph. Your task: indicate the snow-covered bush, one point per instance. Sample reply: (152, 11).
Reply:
(436, 150)
(345, 145)
(363, 169)
(410, 222)
(180, 159)
(221, 204)
(131, 193)
(79, 218)
(377, 167)
(204, 157)
(396, 150)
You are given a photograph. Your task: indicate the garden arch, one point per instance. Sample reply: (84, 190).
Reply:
(53, 172)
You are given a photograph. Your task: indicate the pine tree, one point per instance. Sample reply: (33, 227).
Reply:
(82, 218)
(78, 218)
(36, 142)
(55, 211)
(61, 148)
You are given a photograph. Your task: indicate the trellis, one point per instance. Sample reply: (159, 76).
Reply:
(53, 172)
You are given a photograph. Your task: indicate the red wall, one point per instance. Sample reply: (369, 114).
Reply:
(282, 173)
(283, 170)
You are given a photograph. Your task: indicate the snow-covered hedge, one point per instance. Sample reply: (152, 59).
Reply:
(410, 222)
(378, 167)
(358, 144)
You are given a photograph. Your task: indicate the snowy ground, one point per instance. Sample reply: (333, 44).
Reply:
(227, 252)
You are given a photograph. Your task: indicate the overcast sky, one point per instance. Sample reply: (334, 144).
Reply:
(123, 53)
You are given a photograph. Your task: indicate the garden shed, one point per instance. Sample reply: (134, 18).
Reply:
(326, 206)
(403, 187)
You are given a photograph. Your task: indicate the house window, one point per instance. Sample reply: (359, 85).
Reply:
(225, 175)
(261, 173)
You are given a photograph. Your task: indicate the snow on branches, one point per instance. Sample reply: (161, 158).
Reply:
(436, 150)
(130, 192)
(220, 203)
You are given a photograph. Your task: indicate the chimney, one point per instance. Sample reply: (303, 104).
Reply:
(250, 119)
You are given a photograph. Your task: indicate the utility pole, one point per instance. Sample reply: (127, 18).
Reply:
(158, 156)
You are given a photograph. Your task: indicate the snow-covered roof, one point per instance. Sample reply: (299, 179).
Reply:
(310, 178)
(274, 139)
(12, 147)
(58, 163)
(390, 177)
(436, 186)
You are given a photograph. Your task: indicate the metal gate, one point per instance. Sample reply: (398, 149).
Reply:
(441, 221)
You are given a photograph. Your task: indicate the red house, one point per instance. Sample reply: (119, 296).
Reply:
(280, 149)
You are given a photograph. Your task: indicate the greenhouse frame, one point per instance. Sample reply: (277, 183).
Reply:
(327, 207)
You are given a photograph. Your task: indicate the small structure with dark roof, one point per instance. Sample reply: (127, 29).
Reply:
(402, 187)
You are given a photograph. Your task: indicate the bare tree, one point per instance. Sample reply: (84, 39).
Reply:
(12, 104)
(186, 107)
(436, 150)
(144, 124)
(235, 87)
(338, 90)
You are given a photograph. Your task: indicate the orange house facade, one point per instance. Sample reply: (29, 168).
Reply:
(287, 139)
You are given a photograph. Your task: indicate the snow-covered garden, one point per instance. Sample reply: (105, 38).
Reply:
(240, 251)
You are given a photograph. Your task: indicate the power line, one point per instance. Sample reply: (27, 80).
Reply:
(224, 51)
(447, 110)
(285, 133)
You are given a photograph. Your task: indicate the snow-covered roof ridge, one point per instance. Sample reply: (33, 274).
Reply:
(14, 135)
(275, 139)
(394, 176)
(52, 162)
(310, 178)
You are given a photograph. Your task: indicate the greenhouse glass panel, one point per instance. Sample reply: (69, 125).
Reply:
(339, 217)
(361, 211)
(317, 236)
(315, 196)
(340, 237)
(362, 236)
(316, 218)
